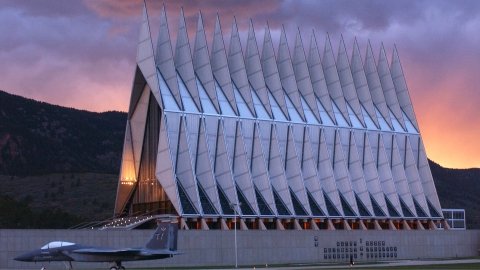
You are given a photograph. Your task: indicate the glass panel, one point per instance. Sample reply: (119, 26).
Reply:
(244, 205)
(281, 208)
(347, 209)
(294, 116)
(353, 117)
(308, 113)
(391, 210)
(259, 109)
(207, 205)
(187, 204)
(277, 111)
(262, 205)
(224, 202)
(316, 210)
(326, 120)
(188, 103)
(223, 101)
(368, 120)
(405, 210)
(297, 206)
(432, 210)
(241, 105)
(167, 97)
(362, 208)
(420, 212)
(396, 124)
(207, 104)
(408, 124)
(376, 208)
(381, 121)
(330, 207)
(338, 115)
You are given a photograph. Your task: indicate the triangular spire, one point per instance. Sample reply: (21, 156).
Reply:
(293, 173)
(384, 170)
(375, 86)
(287, 76)
(222, 168)
(309, 169)
(164, 168)
(401, 88)
(241, 171)
(236, 66)
(201, 63)
(164, 58)
(259, 169)
(370, 170)
(302, 76)
(254, 69)
(426, 175)
(355, 169)
(219, 63)
(346, 80)
(204, 169)
(412, 173)
(184, 170)
(145, 57)
(398, 172)
(388, 87)
(318, 78)
(183, 61)
(361, 84)
(275, 164)
(332, 79)
(270, 72)
(128, 178)
(342, 176)
(138, 124)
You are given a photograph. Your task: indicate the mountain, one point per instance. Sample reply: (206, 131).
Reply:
(67, 161)
(39, 138)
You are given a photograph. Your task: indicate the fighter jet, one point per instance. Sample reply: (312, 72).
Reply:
(162, 244)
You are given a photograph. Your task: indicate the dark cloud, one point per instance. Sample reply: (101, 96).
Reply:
(81, 53)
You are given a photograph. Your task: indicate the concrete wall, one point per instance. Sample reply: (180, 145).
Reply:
(254, 247)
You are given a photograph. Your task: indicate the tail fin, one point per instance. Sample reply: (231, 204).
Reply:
(165, 236)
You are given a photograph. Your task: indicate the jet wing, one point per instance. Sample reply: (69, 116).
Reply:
(99, 251)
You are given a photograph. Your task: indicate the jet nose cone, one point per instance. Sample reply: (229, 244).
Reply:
(24, 258)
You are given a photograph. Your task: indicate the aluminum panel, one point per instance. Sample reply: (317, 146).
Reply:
(270, 72)
(183, 61)
(138, 123)
(254, 69)
(218, 60)
(164, 169)
(361, 84)
(388, 86)
(164, 58)
(401, 88)
(332, 79)
(236, 65)
(346, 81)
(375, 86)
(201, 63)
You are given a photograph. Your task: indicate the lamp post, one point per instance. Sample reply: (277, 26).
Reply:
(234, 207)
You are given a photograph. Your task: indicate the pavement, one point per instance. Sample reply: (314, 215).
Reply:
(382, 264)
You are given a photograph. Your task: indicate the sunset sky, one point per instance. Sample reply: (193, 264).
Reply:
(81, 54)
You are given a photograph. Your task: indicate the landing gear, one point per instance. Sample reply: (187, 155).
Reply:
(117, 266)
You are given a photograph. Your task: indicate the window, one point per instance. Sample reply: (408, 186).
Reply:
(188, 103)
(241, 104)
(383, 124)
(207, 104)
(276, 110)
(168, 100)
(338, 116)
(223, 101)
(259, 108)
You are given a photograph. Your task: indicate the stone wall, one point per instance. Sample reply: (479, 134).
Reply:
(208, 248)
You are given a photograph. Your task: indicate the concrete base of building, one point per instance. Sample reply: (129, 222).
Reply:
(256, 247)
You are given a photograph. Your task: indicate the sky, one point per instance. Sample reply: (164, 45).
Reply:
(81, 53)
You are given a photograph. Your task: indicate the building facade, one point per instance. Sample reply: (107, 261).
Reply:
(281, 138)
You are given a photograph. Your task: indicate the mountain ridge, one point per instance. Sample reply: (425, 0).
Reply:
(38, 138)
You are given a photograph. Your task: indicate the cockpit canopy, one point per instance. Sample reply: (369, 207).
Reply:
(57, 244)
